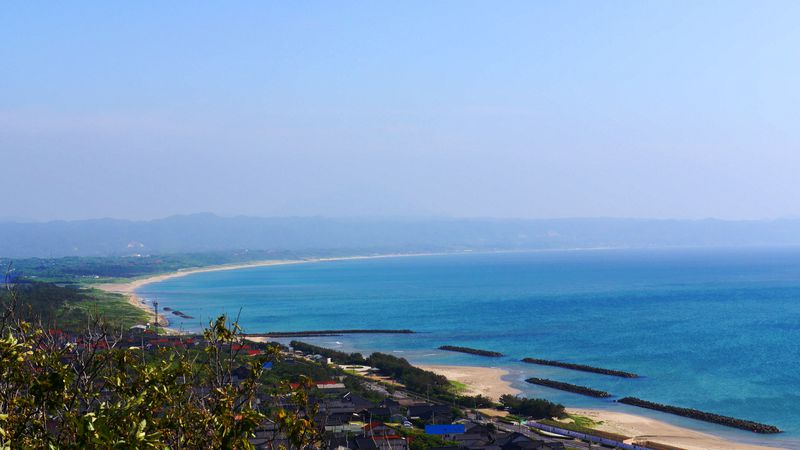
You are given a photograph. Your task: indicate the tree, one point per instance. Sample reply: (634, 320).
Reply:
(91, 392)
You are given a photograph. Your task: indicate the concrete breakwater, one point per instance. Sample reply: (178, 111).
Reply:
(180, 314)
(471, 351)
(278, 334)
(742, 424)
(574, 388)
(580, 367)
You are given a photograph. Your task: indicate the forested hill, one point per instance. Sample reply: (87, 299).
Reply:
(207, 232)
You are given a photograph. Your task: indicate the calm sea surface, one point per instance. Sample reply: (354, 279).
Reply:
(717, 330)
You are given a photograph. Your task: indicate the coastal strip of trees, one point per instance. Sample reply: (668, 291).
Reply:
(471, 351)
(334, 355)
(580, 367)
(718, 419)
(535, 408)
(574, 388)
(319, 333)
(416, 380)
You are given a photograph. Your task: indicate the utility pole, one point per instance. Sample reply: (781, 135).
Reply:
(155, 311)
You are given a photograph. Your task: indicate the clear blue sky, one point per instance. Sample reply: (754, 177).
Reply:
(494, 109)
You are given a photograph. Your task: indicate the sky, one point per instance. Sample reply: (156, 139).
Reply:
(530, 109)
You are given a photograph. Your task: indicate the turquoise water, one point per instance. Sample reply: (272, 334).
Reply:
(717, 330)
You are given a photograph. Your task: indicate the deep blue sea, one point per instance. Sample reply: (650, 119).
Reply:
(713, 329)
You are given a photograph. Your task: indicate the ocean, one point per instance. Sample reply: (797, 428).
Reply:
(712, 329)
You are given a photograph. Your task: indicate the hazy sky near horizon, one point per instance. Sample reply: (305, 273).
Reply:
(524, 109)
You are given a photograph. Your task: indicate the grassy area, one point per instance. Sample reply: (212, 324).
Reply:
(583, 421)
(458, 387)
(70, 308)
(113, 308)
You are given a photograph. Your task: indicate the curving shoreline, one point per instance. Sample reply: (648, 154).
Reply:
(128, 289)
(492, 382)
(677, 436)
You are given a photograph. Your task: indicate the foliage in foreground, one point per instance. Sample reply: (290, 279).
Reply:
(93, 393)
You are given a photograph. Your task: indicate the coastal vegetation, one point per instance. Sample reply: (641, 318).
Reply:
(535, 408)
(580, 367)
(89, 269)
(70, 308)
(471, 351)
(421, 441)
(335, 355)
(419, 381)
(719, 419)
(100, 391)
(574, 388)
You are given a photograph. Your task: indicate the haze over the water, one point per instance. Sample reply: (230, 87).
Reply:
(513, 109)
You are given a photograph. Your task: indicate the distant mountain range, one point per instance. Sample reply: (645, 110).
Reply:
(208, 232)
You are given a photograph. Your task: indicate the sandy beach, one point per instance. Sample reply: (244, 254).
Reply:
(489, 381)
(486, 381)
(644, 428)
(128, 289)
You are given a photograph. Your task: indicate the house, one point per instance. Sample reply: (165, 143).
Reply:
(356, 401)
(376, 413)
(385, 437)
(431, 413)
(518, 441)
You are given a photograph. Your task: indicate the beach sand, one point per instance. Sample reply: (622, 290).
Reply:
(486, 381)
(646, 429)
(128, 289)
(489, 381)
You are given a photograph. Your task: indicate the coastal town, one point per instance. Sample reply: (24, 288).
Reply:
(367, 401)
(379, 402)
(358, 406)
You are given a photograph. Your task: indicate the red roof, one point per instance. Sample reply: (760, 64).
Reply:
(372, 425)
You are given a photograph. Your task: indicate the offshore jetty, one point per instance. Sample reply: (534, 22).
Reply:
(574, 388)
(471, 351)
(748, 425)
(580, 367)
(180, 314)
(279, 334)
